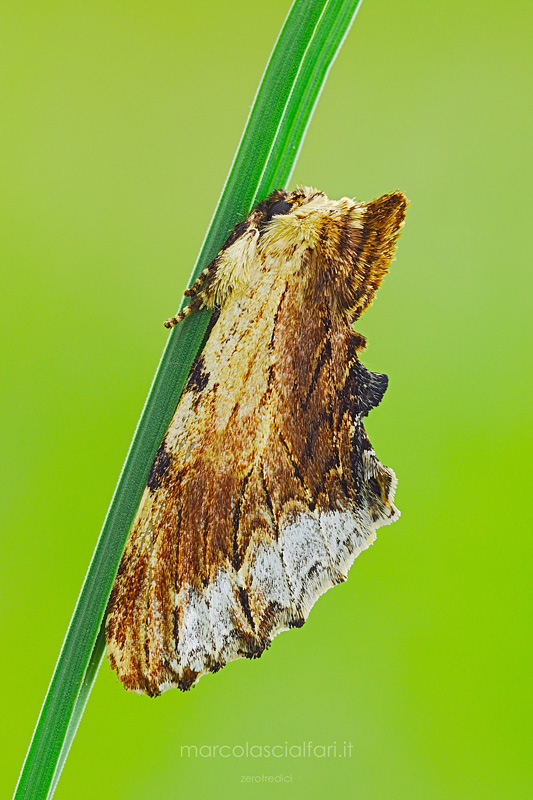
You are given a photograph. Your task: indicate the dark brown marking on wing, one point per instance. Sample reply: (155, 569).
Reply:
(159, 467)
(359, 443)
(276, 315)
(296, 623)
(187, 680)
(198, 377)
(268, 500)
(362, 390)
(245, 603)
(237, 561)
(323, 359)
(296, 469)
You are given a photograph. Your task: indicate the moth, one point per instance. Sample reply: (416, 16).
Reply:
(265, 487)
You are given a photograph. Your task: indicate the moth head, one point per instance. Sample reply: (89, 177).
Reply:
(338, 248)
(281, 203)
(236, 260)
(288, 222)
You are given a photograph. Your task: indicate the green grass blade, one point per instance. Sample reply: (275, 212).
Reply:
(308, 42)
(335, 23)
(79, 706)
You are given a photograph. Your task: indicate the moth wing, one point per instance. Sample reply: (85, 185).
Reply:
(263, 492)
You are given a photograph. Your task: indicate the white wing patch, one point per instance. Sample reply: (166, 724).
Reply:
(239, 613)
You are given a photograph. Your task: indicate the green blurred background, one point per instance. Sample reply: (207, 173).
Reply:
(120, 120)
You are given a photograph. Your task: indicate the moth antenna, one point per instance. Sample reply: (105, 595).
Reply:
(180, 316)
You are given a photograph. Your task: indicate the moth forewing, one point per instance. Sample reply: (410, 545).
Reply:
(265, 486)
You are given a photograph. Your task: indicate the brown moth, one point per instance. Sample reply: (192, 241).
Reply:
(265, 487)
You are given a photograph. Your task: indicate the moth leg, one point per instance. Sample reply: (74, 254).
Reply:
(210, 288)
(180, 316)
(197, 291)
(202, 278)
